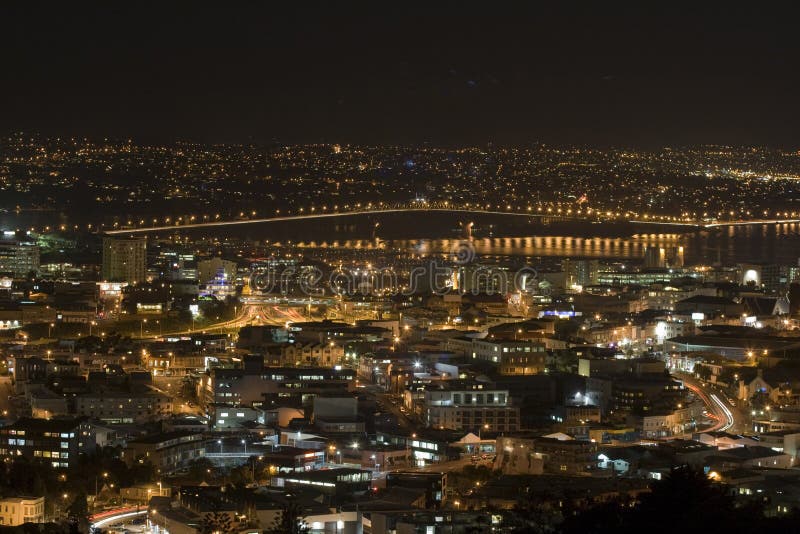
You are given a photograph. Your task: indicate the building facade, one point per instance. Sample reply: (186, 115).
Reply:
(15, 511)
(511, 357)
(57, 442)
(18, 258)
(124, 259)
(469, 407)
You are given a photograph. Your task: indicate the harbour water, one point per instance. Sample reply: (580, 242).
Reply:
(493, 236)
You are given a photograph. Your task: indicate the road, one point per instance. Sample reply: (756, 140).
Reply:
(388, 403)
(173, 386)
(729, 418)
(118, 517)
(258, 314)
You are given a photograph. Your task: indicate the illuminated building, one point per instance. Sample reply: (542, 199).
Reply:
(207, 270)
(460, 406)
(580, 272)
(769, 276)
(18, 258)
(15, 511)
(58, 442)
(511, 357)
(124, 259)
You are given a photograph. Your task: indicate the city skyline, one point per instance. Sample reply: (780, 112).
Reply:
(449, 268)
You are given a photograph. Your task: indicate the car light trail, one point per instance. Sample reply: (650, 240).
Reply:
(116, 517)
(725, 410)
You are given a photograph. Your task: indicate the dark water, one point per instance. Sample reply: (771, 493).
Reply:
(494, 236)
(773, 243)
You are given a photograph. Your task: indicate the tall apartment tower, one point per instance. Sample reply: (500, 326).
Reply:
(580, 272)
(124, 259)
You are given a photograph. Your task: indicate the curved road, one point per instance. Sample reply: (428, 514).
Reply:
(113, 517)
(729, 418)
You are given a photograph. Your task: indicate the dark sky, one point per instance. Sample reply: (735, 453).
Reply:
(449, 76)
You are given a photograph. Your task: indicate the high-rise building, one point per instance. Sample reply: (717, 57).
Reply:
(580, 272)
(124, 259)
(18, 258)
(661, 257)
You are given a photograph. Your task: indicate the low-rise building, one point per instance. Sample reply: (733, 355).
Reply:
(15, 511)
(165, 451)
(460, 405)
(558, 454)
(273, 387)
(58, 442)
(314, 354)
(340, 481)
(511, 357)
(124, 406)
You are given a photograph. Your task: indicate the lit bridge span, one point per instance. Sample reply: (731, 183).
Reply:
(596, 216)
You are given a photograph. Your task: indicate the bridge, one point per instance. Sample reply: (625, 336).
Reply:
(548, 214)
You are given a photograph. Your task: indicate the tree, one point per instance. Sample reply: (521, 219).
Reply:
(78, 513)
(686, 499)
(290, 520)
(216, 523)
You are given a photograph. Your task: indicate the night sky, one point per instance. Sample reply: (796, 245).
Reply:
(599, 76)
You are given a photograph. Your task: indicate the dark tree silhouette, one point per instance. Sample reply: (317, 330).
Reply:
(216, 523)
(685, 500)
(290, 520)
(78, 513)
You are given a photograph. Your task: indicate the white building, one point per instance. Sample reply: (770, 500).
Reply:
(462, 406)
(15, 511)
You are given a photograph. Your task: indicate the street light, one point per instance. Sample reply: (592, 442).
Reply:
(219, 441)
(155, 513)
(253, 465)
(141, 327)
(244, 442)
(96, 491)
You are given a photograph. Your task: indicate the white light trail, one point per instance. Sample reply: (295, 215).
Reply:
(725, 410)
(115, 518)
